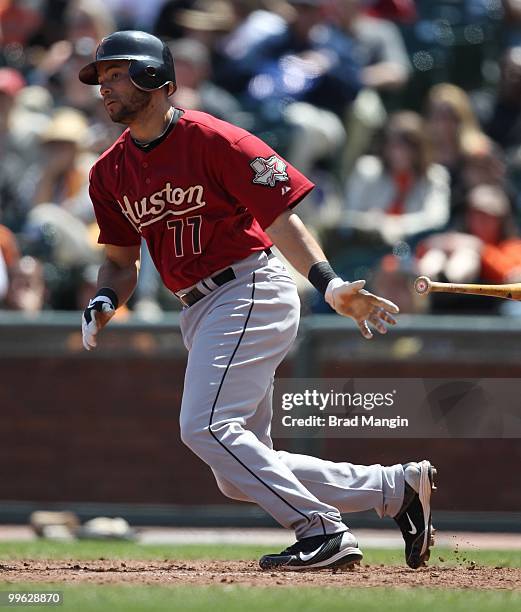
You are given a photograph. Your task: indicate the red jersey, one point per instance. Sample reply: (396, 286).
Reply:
(201, 198)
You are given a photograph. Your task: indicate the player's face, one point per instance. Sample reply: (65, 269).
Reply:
(123, 100)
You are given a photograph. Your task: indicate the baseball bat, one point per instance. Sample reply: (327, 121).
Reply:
(423, 285)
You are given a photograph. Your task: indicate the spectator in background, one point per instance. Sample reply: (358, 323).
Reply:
(385, 69)
(13, 204)
(254, 23)
(195, 89)
(481, 163)
(308, 60)
(512, 22)
(390, 201)
(490, 219)
(59, 221)
(63, 174)
(401, 194)
(299, 83)
(504, 121)
(502, 118)
(378, 47)
(19, 20)
(55, 69)
(13, 156)
(27, 289)
(22, 283)
(9, 256)
(11, 83)
(206, 21)
(29, 118)
(450, 117)
(486, 249)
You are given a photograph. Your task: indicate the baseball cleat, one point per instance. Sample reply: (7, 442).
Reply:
(337, 550)
(414, 518)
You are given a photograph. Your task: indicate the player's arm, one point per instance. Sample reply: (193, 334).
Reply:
(119, 271)
(117, 279)
(295, 242)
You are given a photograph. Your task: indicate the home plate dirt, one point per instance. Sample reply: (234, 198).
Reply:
(247, 573)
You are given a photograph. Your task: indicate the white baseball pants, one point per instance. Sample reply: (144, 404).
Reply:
(236, 337)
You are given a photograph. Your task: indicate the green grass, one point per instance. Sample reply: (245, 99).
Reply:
(283, 599)
(89, 550)
(85, 550)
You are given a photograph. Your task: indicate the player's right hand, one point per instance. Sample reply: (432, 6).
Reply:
(352, 300)
(98, 313)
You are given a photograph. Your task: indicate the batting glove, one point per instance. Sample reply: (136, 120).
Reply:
(97, 314)
(352, 300)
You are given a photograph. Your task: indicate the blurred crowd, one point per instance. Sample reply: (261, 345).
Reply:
(406, 115)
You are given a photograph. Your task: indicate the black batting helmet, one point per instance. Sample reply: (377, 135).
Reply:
(151, 63)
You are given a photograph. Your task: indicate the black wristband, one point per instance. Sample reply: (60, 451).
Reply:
(110, 293)
(320, 274)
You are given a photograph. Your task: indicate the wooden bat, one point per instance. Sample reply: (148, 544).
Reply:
(423, 285)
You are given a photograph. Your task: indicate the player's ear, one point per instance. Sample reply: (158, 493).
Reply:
(171, 89)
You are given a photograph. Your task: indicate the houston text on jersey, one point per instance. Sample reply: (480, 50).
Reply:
(167, 201)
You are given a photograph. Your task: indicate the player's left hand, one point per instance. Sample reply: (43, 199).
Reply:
(352, 300)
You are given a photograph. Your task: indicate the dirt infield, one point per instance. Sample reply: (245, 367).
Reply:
(168, 572)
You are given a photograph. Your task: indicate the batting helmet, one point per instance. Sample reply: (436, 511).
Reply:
(151, 63)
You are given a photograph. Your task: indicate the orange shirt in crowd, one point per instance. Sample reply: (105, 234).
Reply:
(499, 260)
(9, 246)
(17, 23)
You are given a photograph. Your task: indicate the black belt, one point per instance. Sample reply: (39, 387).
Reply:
(194, 295)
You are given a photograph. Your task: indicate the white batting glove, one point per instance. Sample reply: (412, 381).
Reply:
(100, 310)
(352, 300)
(338, 287)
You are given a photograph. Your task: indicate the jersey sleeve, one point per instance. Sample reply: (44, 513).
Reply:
(261, 180)
(114, 227)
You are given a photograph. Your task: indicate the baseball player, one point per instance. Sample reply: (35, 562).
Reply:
(210, 199)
